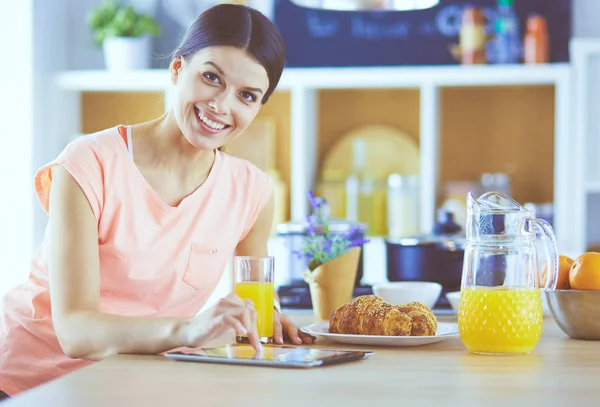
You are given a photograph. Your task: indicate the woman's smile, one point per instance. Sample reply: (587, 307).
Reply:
(209, 123)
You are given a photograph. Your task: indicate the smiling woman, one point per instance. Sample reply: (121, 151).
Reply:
(144, 218)
(241, 67)
(221, 91)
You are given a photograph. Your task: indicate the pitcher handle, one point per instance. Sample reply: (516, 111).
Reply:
(544, 229)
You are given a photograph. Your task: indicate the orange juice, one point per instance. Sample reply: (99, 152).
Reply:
(263, 296)
(500, 320)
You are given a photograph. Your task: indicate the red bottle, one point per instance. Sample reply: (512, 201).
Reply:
(535, 43)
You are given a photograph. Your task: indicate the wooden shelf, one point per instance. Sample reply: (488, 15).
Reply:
(335, 78)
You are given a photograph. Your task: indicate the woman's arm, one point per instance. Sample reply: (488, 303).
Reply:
(82, 330)
(255, 242)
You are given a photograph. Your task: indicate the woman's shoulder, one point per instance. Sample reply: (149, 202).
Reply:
(242, 170)
(85, 158)
(106, 139)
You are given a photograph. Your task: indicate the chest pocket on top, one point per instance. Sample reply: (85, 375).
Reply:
(205, 264)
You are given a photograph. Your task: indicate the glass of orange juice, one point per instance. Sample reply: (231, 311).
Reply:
(254, 280)
(500, 311)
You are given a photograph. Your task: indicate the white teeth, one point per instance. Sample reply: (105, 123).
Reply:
(210, 123)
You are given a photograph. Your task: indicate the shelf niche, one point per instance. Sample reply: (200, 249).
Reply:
(341, 111)
(483, 129)
(101, 110)
(506, 129)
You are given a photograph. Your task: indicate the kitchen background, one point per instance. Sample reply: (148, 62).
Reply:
(394, 148)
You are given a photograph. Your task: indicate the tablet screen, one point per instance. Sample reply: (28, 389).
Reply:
(271, 354)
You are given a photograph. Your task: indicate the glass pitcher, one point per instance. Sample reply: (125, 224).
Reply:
(500, 310)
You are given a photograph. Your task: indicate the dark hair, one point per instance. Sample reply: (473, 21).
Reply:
(242, 27)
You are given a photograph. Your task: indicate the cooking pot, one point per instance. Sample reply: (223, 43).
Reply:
(437, 257)
(427, 258)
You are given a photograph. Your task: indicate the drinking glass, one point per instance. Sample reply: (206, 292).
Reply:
(254, 281)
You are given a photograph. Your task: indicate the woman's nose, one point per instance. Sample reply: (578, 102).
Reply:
(219, 104)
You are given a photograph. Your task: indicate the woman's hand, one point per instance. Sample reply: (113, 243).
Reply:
(286, 330)
(230, 313)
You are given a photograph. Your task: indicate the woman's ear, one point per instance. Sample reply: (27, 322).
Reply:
(174, 68)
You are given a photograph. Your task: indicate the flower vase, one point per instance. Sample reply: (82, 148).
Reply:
(332, 283)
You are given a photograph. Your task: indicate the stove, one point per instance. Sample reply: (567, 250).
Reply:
(297, 295)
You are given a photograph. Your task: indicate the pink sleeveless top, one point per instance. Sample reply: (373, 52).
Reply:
(156, 260)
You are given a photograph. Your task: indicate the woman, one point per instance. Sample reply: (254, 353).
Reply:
(143, 219)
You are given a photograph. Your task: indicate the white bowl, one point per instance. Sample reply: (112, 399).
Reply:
(403, 292)
(454, 300)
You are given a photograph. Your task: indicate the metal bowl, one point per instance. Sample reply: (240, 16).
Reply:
(576, 312)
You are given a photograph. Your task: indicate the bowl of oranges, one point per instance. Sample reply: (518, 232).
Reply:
(575, 303)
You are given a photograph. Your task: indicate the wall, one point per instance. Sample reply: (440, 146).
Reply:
(16, 107)
(586, 18)
(84, 55)
(32, 36)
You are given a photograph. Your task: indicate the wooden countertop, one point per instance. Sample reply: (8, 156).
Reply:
(560, 372)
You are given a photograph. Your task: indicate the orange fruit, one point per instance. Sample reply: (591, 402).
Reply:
(585, 272)
(564, 268)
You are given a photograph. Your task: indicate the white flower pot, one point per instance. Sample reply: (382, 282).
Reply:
(127, 53)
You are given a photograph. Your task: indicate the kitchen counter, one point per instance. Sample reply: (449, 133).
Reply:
(561, 371)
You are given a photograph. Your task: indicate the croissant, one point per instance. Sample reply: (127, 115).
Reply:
(371, 315)
(424, 320)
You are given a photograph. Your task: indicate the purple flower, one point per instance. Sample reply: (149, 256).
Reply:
(319, 248)
(357, 242)
(311, 226)
(313, 201)
(352, 231)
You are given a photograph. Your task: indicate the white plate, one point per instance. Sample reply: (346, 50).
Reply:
(445, 330)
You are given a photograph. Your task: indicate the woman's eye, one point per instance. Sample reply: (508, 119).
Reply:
(211, 77)
(249, 97)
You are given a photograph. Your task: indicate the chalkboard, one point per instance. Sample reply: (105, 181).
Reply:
(316, 37)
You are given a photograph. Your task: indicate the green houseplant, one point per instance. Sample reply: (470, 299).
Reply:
(123, 33)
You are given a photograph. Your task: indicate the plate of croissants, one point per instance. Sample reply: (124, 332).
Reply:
(370, 320)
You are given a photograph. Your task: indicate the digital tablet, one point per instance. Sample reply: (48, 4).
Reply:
(272, 355)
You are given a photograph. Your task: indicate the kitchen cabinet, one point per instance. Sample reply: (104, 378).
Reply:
(585, 187)
(467, 120)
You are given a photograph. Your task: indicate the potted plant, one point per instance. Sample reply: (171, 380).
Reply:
(123, 34)
(332, 261)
